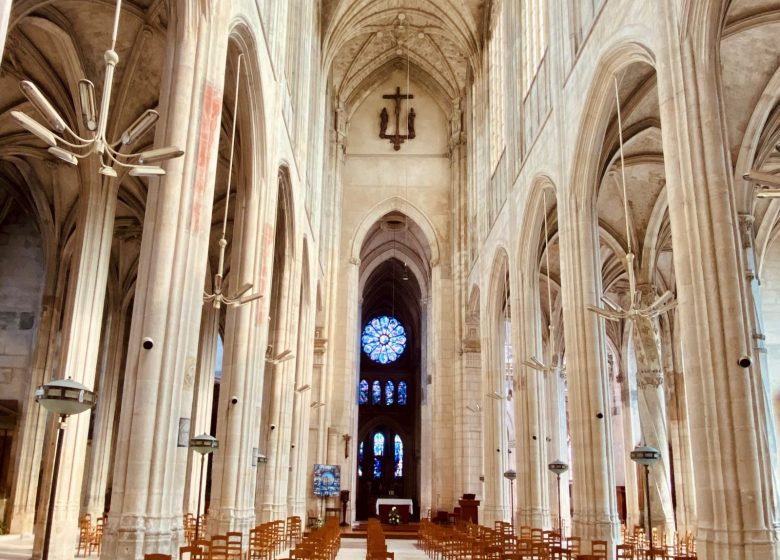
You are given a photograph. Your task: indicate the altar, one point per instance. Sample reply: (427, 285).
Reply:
(404, 506)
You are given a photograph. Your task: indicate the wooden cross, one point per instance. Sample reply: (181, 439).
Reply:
(397, 139)
(347, 438)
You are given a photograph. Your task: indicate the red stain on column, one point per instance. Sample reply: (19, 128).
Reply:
(212, 107)
(267, 243)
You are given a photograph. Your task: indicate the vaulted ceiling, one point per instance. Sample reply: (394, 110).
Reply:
(438, 39)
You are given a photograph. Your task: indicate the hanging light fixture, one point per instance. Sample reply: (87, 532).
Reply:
(239, 297)
(533, 362)
(65, 144)
(635, 310)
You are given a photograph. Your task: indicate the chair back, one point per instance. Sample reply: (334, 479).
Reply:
(156, 556)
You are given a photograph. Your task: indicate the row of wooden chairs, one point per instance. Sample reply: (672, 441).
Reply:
(376, 547)
(90, 536)
(265, 542)
(321, 544)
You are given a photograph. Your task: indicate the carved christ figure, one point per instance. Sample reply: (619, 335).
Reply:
(383, 122)
(397, 138)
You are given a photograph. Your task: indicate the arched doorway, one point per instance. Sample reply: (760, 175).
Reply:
(388, 388)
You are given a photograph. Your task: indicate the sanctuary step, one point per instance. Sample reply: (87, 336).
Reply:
(406, 531)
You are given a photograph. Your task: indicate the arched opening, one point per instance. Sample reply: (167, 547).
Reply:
(391, 373)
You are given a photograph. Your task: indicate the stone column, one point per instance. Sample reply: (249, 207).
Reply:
(530, 399)
(468, 419)
(44, 368)
(202, 402)
(595, 508)
(149, 474)
(318, 431)
(274, 505)
(763, 390)
(736, 493)
(652, 413)
(81, 345)
(679, 432)
(296, 492)
(557, 447)
(234, 477)
(5, 18)
(103, 434)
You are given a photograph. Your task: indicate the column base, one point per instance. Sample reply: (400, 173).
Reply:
(231, 519)
(132, 536)
(738, 545)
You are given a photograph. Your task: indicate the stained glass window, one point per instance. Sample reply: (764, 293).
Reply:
(399, 457)
(363, 392)
(379, 444)
(360, 452)
(389, 392)
(377, 467)
(360, 449)
(384, 339)
(402, 393)
(376, 392)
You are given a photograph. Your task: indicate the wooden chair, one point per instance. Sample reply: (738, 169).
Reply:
(294, 531)
(219, 547)
(235, 545)
(193, 552)
(85, 534)
(157, 556)
(598, 549)
(96, 539)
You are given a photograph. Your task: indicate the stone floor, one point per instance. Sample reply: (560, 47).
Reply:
(14, 547)
(355, 549)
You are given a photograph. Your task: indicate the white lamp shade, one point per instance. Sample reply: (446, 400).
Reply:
(558, 467)
(645, 455)
(204, 444)
(65, 397)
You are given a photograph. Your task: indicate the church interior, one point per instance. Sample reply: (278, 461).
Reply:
(451, 278)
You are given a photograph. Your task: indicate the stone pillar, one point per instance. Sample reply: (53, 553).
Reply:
(595, 508)
(296, 492)
(81, 345)
(103, 434)
(149, 473)
(652, 413)
(44, 368)
(679, 432)
(763, 390)
(558, 448)
(5, 18)
(202, 402)
(736, 493)
(468, 419)
(318, 431)
(234, 474)
(530, 411)
(274, 505)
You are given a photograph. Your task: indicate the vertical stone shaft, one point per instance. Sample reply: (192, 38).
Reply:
(32, 429)
(530, 416)
(234, 474)
(595, 509)
(203, 398)
(81, 344)
(103, 438)
(652, 412)
(735, 491)
(149, 474)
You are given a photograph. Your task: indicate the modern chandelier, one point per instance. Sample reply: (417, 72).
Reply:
(75, 147)
(239, 297)
(635, 309)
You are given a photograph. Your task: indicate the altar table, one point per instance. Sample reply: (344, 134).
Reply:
(404, 506)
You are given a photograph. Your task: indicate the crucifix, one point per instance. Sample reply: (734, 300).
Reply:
(346, 438)
(397, 139)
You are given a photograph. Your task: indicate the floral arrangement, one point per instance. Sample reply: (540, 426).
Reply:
(394, 518)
